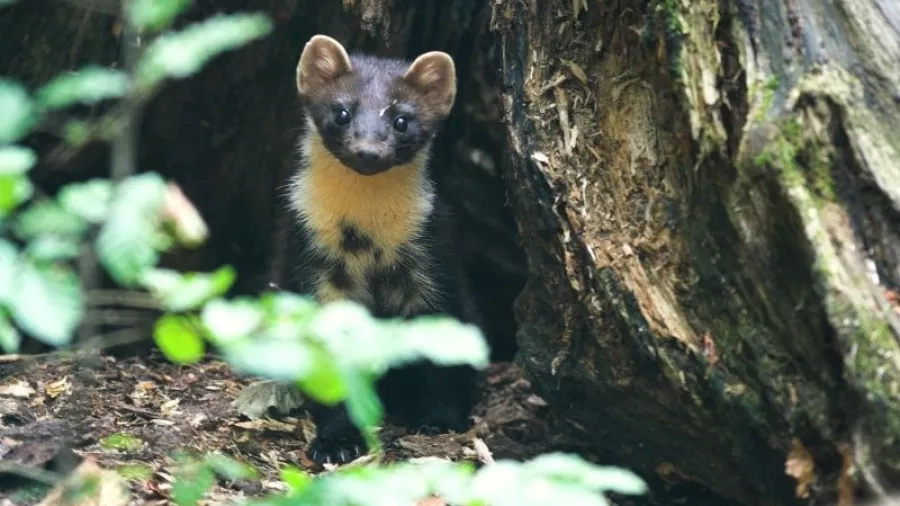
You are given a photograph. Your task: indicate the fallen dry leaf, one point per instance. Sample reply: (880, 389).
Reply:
(482, 451)
(142, 389)
(104, 488)
(170, 407)
(265, 424)
(57, 388)
(801, 467)
(186, 220)
(19, 389)
(431, 501)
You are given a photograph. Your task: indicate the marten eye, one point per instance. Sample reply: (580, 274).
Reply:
(400, 124)
(341, 116)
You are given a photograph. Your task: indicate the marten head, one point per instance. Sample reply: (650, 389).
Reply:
(374, 113)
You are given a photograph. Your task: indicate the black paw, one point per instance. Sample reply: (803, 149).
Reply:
(431, 430)
(440, 420)
(338, 449)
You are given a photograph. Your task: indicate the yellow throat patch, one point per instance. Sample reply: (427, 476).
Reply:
(389, 208)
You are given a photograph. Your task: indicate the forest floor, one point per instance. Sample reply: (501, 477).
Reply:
(131, 415)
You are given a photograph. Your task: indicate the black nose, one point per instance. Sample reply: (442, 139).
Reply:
(368, 154)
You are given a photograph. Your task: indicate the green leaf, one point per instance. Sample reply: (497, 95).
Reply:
(154, 15)
(296, 479)
(574, 469)
(324, 382)
(550, 478)
(349, 331)
(182, 292)
(181, 54)
(441, 339)
(9, 266)
(192, 481)
(178, 340)
(129, 242)
(162, 282)
(122, 441)
(76, 132)
(279, 360)
(48, 302)
(89, 85)
(10, 339)
(290, 310)
(18, 111)
(47, 217)
(52, 248)
(16, 160)
(360, 341)
(14, 190)
(229, 321)
(90, 200)
(363, 405)
(230, 468)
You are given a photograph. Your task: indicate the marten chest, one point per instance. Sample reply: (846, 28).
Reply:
(367, 235)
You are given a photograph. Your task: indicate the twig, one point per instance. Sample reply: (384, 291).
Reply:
(79, 36)
(95, 343)
(90, 278)
(122, 298)
(32, 473)
(124, 148)
(117, 338)
(122, 160)
(118, 316)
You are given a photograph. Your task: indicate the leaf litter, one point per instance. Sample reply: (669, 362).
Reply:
(129, 416)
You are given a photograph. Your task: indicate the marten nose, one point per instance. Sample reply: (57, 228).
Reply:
(368, 154)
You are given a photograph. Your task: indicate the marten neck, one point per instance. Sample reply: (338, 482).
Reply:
(390, 207)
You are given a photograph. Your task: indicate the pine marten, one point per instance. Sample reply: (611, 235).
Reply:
(369, 226)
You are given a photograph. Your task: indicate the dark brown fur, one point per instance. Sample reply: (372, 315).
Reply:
(369, 227)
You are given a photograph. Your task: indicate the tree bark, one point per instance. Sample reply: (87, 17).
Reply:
(711, 193)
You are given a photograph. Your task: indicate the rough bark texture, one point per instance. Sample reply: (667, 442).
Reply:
(710, 190)
(707, 194)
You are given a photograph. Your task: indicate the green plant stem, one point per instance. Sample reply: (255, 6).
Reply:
(123, 161)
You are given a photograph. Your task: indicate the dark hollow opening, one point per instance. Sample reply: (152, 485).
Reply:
(227, 135)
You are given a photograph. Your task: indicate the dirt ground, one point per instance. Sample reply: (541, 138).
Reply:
(130, 415)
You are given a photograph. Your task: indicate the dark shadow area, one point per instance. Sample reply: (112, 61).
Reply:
(227, 135)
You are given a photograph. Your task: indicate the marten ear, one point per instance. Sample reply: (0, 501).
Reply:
(323, 60)
(433, 75)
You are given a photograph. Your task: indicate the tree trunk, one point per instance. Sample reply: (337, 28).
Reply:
(711, 193)
(707, 195)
